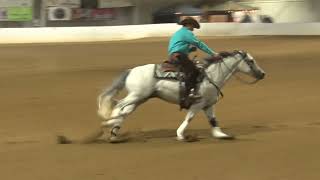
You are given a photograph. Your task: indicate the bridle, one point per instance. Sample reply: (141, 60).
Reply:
(249, 62)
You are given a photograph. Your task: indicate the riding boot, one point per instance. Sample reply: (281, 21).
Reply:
(193, 84)
(191, 91)
(190, 71)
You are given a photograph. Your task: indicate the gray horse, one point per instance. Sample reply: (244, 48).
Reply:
(142, 85)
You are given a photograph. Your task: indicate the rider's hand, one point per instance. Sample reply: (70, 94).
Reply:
(192, 48)
(214, 58)
(217, 57)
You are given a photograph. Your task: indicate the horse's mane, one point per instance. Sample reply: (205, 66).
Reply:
(213, 60)
(209, 60)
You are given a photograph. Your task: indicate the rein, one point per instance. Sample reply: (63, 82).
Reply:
(214, 84)
(244, 56)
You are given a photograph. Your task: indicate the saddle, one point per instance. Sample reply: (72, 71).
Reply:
(169, 67)
(171, 71)
(167, 70)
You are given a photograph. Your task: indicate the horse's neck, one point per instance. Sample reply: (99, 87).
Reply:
(221, 72)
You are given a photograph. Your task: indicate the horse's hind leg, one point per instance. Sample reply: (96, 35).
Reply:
(121, 111)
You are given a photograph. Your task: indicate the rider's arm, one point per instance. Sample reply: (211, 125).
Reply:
(199, 44)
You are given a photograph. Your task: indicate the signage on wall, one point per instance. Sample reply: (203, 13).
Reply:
(19, 14)
(16, 10)
(16, 3)
(3, 14)
(93, 14)
(64, 3)
(81, 13)
(114, 3)
(102, 14)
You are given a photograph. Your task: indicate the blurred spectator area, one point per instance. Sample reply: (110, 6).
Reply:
(89, 12)
(245, 11)
(229, 11)
(217, 11)
(55, 13)
(173, 13)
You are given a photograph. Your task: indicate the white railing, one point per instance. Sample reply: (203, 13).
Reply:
(111, 33)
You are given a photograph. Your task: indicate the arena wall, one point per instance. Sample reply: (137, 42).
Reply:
(111, 33)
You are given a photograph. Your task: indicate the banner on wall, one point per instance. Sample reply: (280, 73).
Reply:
(20, 14)
(64, 3)
(16, 3)
(3, 14)
(81, 13)
(102, 14)
(93, 14)
(114, 3)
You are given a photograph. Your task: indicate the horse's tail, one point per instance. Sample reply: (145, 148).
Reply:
(105, 99)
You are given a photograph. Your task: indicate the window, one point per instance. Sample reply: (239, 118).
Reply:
(89, 4)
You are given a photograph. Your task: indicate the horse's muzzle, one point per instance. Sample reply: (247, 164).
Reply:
(261, 76)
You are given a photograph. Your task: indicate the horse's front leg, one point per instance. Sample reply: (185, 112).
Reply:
(216, 130)
(180, 131)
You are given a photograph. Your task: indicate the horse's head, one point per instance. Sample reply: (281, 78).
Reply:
(249, 66)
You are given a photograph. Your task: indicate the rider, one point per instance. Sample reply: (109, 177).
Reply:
(181, 44)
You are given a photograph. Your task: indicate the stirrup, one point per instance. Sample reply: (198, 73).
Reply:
(193, 95)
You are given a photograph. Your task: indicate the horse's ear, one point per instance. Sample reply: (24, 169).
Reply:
(237, 51)
(241, 52)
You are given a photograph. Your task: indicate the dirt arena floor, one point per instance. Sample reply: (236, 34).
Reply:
(48, 90)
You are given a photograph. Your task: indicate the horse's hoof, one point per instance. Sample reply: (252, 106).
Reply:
(188, 138)
(63, 140)
(227, 138)
(115, 139)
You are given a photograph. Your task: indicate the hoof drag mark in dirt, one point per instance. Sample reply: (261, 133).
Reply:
(63, 140)
(314, 124)
(169, 134)
(250, 130)
(21, 142)
(191, 138)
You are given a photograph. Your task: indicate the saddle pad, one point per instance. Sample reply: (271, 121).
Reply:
(161, 74)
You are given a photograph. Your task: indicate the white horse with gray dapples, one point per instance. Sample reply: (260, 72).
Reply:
(141, 85)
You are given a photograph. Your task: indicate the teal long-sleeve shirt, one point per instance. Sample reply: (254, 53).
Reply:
(181, 41)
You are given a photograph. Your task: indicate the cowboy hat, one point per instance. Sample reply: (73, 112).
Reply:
(190, 20)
